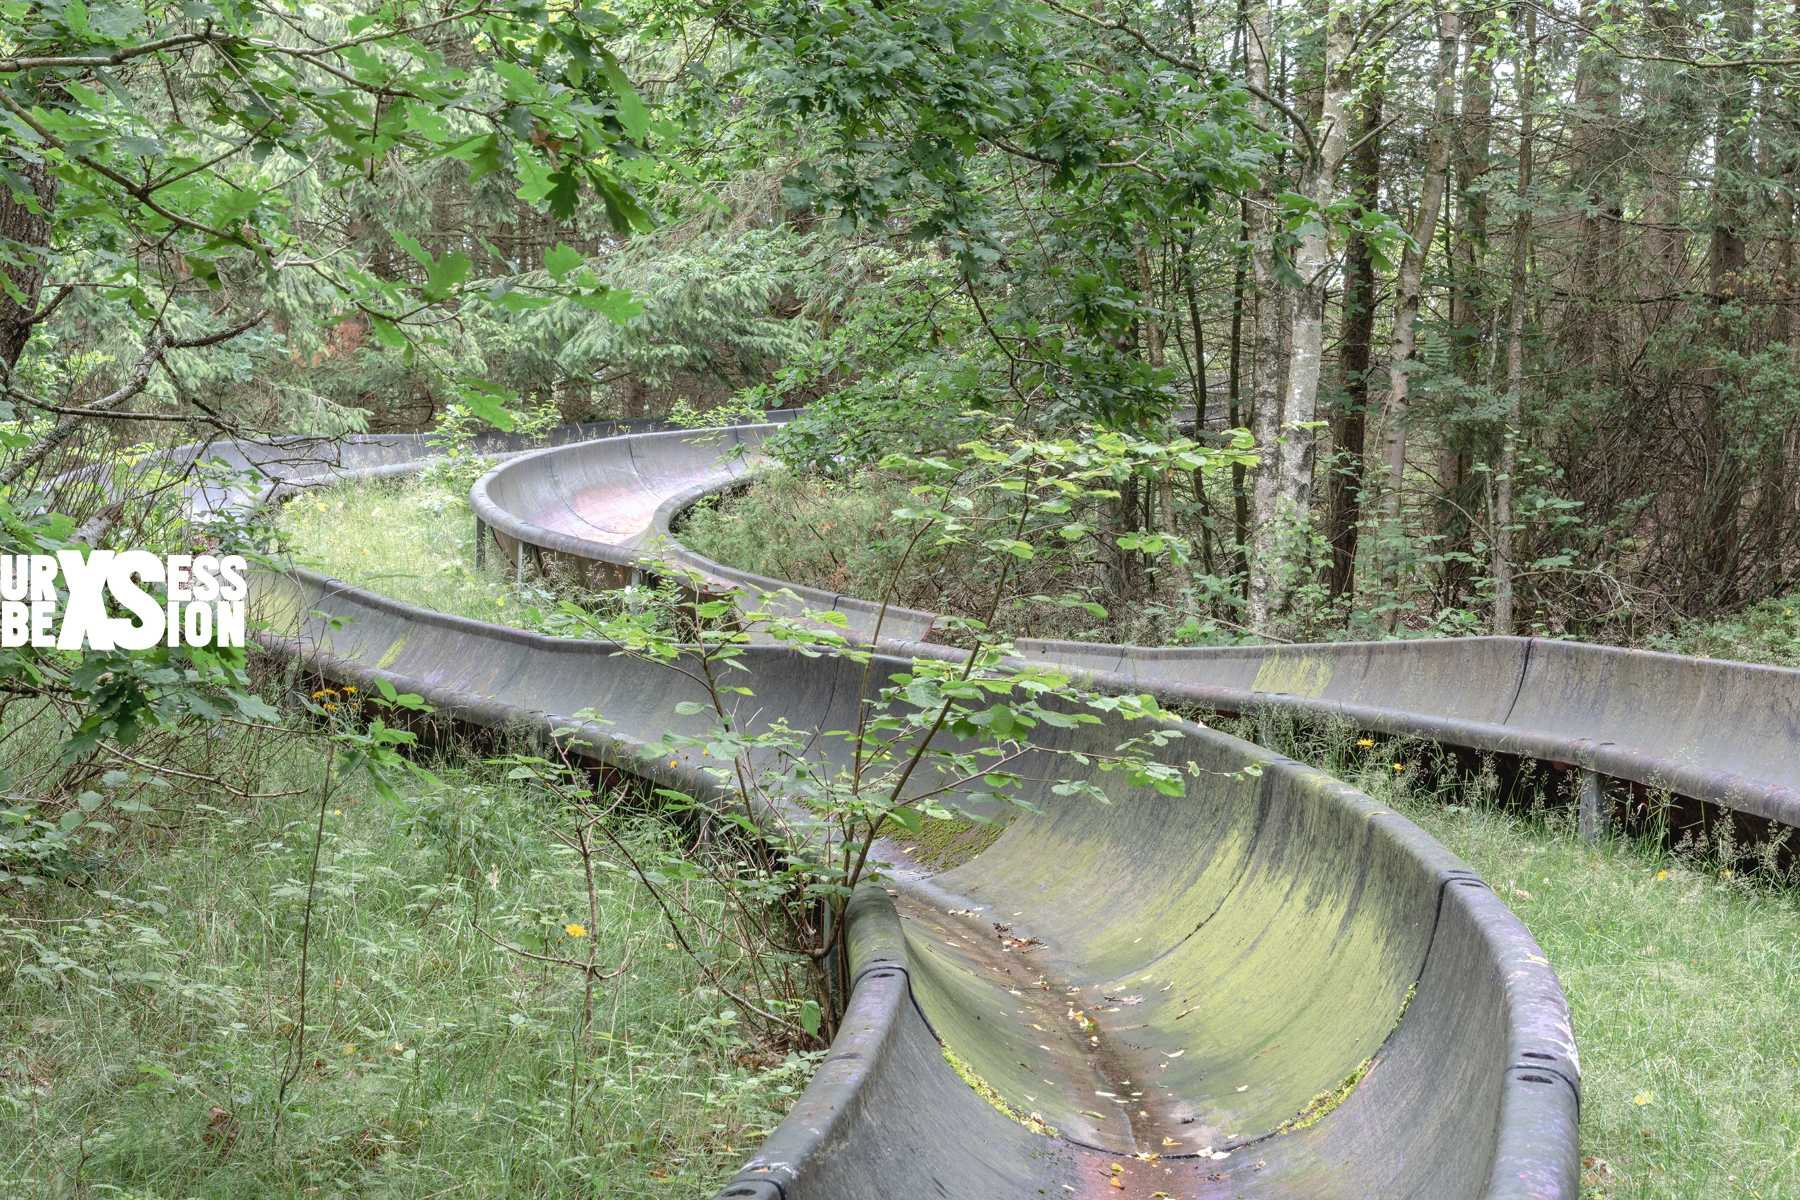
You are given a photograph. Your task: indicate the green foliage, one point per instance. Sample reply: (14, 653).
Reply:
(700, 309)
(547, 80)
(108, 700)
(457, 465)
(807, 820)
(193, 166)
(923, 412)
(933, 531)
(1767, 632)
(835, 534)
(745, 407)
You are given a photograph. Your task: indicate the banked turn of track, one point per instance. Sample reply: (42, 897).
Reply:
(1247, 951)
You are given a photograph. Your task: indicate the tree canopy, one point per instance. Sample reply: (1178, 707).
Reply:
(1502, 292)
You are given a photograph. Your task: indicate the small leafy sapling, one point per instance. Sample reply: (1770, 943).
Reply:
(942, 738)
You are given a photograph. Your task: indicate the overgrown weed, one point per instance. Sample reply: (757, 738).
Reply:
(1767, 632)
(842, 536)
(413, 540)
(149, 1010)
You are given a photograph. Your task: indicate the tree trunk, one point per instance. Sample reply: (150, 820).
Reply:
(1265, 405)
(1313, 262)
(1592, 339)
(1240, 494)
(30, 231)
(1349, 419)
(1412, 265)
(1284, 494)
(1466, 247)
(1714, 584)
(1474, 133)
(1515, 342)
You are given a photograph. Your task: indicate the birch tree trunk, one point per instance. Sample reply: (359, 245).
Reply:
(1313, 263)
(1284, 416)
(1515, 342)
(1265, 403)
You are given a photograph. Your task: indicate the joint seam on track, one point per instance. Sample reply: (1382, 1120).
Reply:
(1519, 687)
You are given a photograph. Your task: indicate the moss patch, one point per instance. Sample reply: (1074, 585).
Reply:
(1324, 1102)
(985, 1090)
(941, 845)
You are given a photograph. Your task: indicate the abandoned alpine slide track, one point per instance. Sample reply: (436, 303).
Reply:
(1293, 992)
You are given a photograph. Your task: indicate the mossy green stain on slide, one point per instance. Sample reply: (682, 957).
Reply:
(276, 602)
(1294, 673)
(985, 1090)
(394, 651)
(997, 1024)
(1257, 939)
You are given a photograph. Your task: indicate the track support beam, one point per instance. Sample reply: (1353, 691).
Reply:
(1594, 809)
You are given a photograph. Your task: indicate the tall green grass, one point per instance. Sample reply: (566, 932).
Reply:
(412, 539)
(147, 1014)
(836, 536)
(1768, 632)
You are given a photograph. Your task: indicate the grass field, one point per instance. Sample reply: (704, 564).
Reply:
(410, 539)
(147, 1021)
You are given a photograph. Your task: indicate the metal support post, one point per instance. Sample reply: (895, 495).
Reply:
(1594, 812)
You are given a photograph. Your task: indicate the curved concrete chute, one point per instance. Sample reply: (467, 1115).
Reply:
(1240, 958)
(1267, 987)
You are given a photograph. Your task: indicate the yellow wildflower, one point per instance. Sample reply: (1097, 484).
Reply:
(350, 690)
(1399, 767)
(574, 930)
(1365, 741)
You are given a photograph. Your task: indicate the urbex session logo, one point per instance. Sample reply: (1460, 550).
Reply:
(204, 606)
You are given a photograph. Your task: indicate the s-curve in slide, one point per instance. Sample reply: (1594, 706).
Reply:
(1269, 987)
(1722, 732)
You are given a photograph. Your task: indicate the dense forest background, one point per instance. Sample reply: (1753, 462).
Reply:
(1502, 291)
